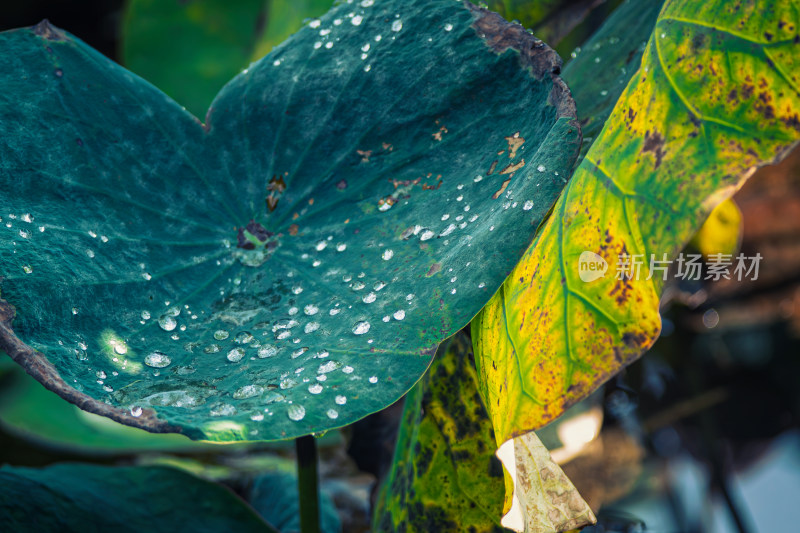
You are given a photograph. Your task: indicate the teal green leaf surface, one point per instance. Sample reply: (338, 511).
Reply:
(291, 265)
(75, 497)
(275, 496)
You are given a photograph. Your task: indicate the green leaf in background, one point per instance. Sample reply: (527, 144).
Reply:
(6, 364)
(75, 497)
(601, 68)
(528, 12)
(283, 19)
(445, 476)
(550, 20)
(274, 495)
(31, 412)
(292, 265)
(716, 96)
(191, 49)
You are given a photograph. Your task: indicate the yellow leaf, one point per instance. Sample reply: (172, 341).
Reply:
(715, 97)
(721, 233)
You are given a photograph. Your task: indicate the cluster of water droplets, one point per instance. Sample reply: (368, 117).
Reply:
(303, 321)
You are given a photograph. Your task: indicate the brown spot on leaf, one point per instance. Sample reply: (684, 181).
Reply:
(502, 188)
(654, 143)
(635, 340)
(276, 184)
(436, 267)
(258, 231)
(384, 202)
(513, 168)
(426, 187)
(792, 122)
(293, 229)
(514, 144)
(275, 188)
(47, 31)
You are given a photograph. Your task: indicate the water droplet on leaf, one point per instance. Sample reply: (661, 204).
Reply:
(167, 322)
(361, 327)
(248, 391)
(157, 360)
(296, 412)
(235, 355)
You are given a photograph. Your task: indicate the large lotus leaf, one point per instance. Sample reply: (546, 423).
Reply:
(191, 49)
(716, 96)
(76, 497)
(290, 266)
(445, 476)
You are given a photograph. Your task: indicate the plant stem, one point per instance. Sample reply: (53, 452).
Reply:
(308, 483)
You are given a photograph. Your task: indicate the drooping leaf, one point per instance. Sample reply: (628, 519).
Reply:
(191, 49)
(715, 97)
(544, 499)
(389, 190)
(76, 497)
(445, 476)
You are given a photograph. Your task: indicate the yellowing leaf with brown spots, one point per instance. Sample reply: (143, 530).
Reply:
(445, 476)
(716, 96)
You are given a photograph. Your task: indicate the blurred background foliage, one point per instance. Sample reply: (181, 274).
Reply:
(699, 435)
